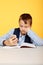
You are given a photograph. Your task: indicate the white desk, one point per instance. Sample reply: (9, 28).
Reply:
(27, 56)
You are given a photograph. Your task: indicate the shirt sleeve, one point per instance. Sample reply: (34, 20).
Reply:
(35, 38)
(6, 36)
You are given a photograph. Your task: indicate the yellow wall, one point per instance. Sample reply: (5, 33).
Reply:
(10, 10)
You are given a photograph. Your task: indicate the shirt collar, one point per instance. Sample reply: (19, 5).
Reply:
(21, 35)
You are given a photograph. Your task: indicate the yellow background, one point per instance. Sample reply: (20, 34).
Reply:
(10, 10)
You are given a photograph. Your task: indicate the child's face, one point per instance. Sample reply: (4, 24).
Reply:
(24, 28)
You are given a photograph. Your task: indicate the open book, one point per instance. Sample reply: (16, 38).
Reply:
(27, 45)
(23, 45)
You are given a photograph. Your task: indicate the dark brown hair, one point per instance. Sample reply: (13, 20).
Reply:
(25, 17)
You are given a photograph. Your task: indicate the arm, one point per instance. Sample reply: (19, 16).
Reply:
(36, 40)
(6, 36)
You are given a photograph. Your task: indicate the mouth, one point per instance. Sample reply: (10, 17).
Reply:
(23, 33)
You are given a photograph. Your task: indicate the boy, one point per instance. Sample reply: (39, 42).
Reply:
(21, 34)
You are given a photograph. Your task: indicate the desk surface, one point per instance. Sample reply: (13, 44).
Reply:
(22, 56)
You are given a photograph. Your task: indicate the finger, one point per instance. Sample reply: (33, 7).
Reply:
(16, 40)
(13, 36)
(13, 42)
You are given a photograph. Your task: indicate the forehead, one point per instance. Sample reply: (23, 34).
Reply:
(23, 23)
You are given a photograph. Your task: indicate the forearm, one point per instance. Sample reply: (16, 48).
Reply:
(36, 40)
(6, 36)
(1, 41)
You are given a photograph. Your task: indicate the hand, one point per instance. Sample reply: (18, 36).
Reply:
(28, 29)
(12, 41)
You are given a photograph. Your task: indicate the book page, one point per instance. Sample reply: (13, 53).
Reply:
(28, 45)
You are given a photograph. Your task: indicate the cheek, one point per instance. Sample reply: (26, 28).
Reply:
(20, 28)
(25, 29)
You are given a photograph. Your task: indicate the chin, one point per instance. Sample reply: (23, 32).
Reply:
(23, 33)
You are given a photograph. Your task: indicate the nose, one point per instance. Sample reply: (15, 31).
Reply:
(23, 28)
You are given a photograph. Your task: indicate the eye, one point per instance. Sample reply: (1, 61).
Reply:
(21, 25)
